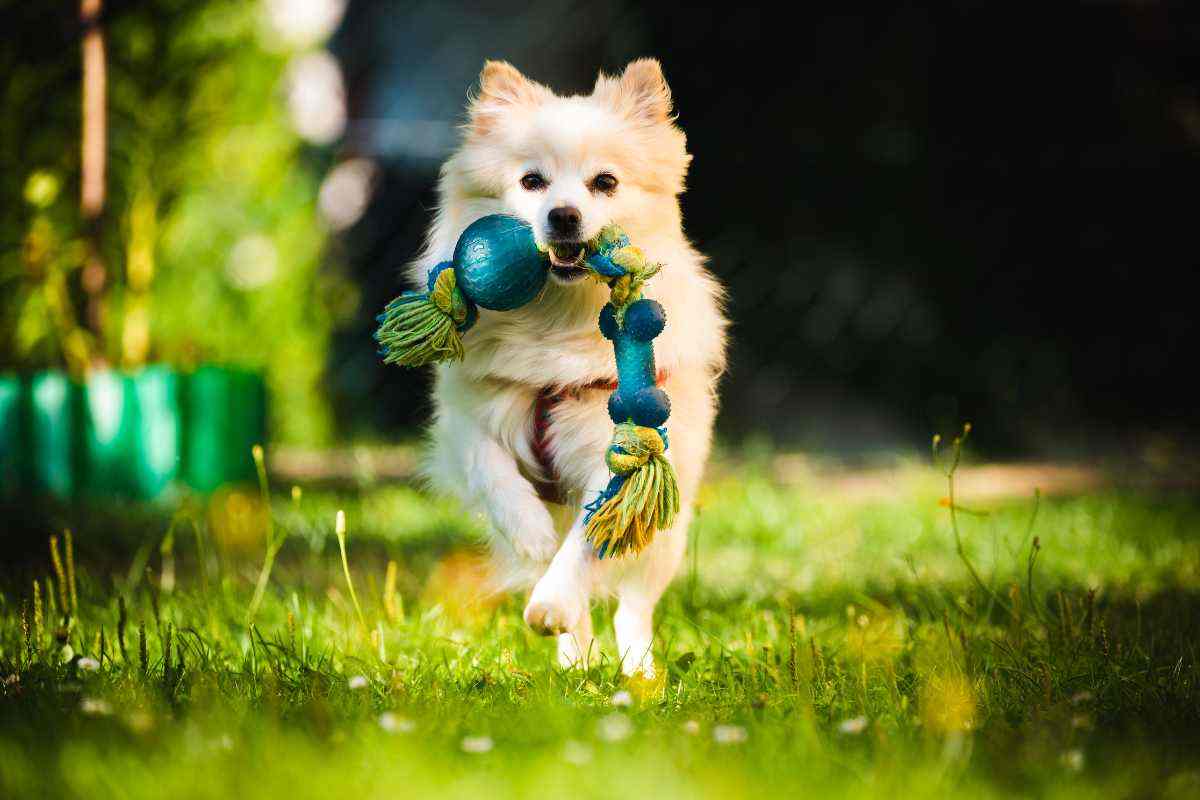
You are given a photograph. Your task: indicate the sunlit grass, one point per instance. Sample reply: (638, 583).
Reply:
(813, 645)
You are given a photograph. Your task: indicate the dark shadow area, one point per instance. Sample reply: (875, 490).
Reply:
(922, 216)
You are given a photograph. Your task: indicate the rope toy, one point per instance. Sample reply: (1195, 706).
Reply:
(498, 265)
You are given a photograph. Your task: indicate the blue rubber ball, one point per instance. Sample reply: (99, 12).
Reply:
(498, 263)
(645, 319)
(608, 322)
(650, 407)
(616, 408)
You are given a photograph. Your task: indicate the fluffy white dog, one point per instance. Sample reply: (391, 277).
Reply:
(523, 421)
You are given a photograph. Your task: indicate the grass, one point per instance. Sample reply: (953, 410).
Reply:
(813, 645)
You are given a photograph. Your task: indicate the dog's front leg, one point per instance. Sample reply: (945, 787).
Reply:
(496, 484)
(559, 603)
(638, 590)
(642, 581)
(561, 599)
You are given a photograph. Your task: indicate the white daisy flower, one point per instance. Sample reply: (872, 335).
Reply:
(394, 724)
(1073, 760)
(729, 734)
(622, 699)
(95, 707)
(853, 726)
(577, 753)
(477, 744)
(357, 682)
(614, 727)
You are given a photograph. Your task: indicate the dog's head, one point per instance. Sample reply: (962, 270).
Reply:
(570, 165)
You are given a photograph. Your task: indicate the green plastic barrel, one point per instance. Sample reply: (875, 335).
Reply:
(224, 412)
(50, 434)
(129, 433)
(11, 393)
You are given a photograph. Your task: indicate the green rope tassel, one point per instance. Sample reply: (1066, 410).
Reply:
(419, 328)
(641, 498)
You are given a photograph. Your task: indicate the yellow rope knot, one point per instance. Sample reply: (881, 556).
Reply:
(632, 447)
(447, 297)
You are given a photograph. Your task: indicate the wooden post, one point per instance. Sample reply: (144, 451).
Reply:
(93, 155)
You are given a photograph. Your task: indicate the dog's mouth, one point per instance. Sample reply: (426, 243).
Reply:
(566, 261)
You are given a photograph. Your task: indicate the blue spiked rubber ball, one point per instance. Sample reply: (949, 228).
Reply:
(649, 407)
(645, 320)
(498, 263)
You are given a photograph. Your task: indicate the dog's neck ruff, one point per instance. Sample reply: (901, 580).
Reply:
(548, 486)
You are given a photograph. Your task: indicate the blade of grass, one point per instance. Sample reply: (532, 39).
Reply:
(339, 528)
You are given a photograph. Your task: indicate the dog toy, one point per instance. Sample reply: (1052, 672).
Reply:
(498, 265)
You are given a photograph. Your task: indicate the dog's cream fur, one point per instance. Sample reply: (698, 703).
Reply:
(482, 432)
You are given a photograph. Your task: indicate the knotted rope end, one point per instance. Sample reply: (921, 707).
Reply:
(642, 497)
(419, 328)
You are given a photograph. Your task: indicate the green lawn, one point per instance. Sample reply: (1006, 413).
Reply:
(814, 646)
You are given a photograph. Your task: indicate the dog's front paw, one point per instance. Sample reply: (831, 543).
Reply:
(638, 666)
(553, 609)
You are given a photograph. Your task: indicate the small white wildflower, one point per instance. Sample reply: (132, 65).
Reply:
(357, 682)
(95, 707)
(88, 664)
(576, 753)
(477, 744)
(853, 726)
(729, 734)
(394, 724)
(691, 727)
(1073, 759)
(622, 699)
(614, 727)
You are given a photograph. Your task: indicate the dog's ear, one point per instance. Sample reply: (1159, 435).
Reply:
(501, 87)
(641, 91)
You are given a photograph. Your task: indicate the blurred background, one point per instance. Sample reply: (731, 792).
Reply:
(983, 213)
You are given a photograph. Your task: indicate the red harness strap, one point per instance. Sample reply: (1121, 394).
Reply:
(548, 398)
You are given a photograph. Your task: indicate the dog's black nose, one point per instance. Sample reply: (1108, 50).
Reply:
(564, 221)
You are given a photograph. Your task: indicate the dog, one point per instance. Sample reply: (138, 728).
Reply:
(520, 425)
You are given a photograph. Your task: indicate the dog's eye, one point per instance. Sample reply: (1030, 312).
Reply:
(533, 182)
(604, 182)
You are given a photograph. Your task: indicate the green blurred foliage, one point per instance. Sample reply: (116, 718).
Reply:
(210, 237)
